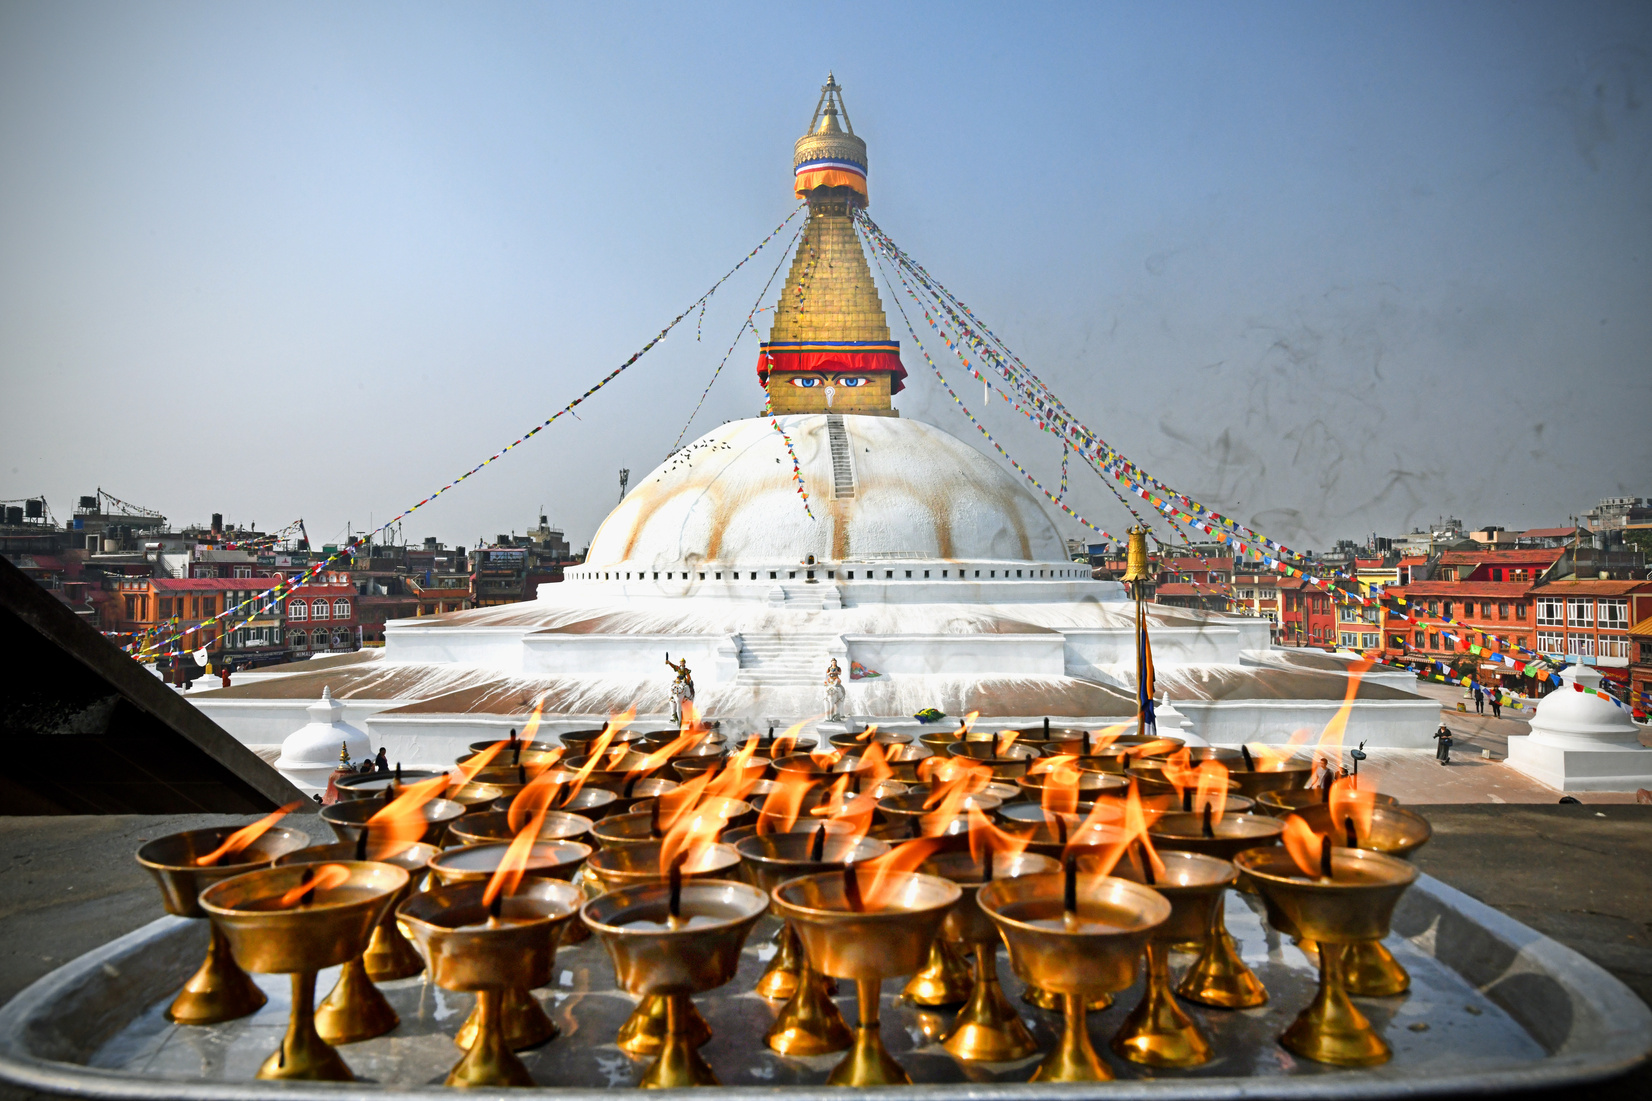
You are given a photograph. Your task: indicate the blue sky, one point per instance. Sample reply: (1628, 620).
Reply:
(1334, 269)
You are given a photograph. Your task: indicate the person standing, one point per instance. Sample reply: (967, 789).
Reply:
(1479, 699)
(381, 763)
(1442, 745)
(1496, 704)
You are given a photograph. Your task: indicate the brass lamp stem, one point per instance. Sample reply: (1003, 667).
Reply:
(303, 1054)
(1073, 1059)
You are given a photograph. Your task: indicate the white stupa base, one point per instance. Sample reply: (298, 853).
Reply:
(311, 781)
(1564, 769)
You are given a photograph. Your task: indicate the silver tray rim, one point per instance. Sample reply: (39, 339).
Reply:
(1610, 1033)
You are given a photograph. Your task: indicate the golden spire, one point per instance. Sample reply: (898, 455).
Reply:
(829, 348)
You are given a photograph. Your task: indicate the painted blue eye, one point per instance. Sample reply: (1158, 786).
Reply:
(806, 383)
(856, 381)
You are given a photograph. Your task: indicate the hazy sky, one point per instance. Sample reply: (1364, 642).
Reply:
(1334, 268)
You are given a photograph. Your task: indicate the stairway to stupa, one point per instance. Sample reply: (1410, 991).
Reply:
(785, 661)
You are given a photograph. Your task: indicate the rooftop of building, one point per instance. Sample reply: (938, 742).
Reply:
(1545, 556)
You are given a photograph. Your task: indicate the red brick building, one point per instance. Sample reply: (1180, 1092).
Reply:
(1307, 614)
(321, 617)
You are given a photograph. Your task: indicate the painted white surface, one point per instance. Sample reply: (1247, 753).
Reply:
(1580, 742)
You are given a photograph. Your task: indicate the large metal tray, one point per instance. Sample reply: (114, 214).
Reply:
(1494, 1006)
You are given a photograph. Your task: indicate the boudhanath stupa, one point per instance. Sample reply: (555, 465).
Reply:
(929, 573)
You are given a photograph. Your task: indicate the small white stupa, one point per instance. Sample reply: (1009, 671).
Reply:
(1580, 742)
(311, 753)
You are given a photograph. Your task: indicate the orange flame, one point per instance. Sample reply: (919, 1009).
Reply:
(1212, 789)
(1303, 844)
(965, 723)
(684, 799)
(325, 878)
(476, 762)
(514, 864)
(656, 760)
(612, 727)
(986, 837)
(867, 734)
(531, 729)
(1350, 804)
(401, 822)
(1061, 788)
(1098, 740)
(690, 836)
(1137, 821)
(784, 804)
(734, 778)
(1003, 740)
(246, 835)
(1331, 738)
(786, 743)
(882, 876)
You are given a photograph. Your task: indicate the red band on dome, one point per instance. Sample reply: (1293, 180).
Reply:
(857, 359)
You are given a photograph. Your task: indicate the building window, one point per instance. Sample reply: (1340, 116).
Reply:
(1614, 615)
(1448, 607)
(341, 609)
(1503, 610)
(339, 640)
(1551, 642)
(1613, 647)
(1368, 641)
(1549, 611)
(297, 609)
(298, 640)
(1418, 640)
(319, 610)
(1581, 645)
(1580, 613)
(1433, 640)
(320, 638)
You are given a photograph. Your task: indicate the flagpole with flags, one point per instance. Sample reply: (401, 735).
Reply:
(1137, 575)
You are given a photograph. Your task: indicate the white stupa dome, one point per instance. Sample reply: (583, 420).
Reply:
(1570, 718)
(879, 487)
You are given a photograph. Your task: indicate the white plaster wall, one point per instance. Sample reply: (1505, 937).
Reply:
(1089, 652)
(714, 659)
(960, 655)
(498, 648)
(1381, 724)
(268, 722)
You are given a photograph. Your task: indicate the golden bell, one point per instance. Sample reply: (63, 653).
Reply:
(1136, 567)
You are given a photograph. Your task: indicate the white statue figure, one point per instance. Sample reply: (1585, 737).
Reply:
(835, 692)
(682, 689)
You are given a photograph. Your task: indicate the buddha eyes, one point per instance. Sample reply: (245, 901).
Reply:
(812, 383)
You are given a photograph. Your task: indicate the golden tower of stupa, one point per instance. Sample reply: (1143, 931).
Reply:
(829, 349)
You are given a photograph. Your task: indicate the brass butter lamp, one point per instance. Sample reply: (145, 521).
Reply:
(1353, 902)
(356, 1009)
(987, 1029)
(866, 939)
(1219, 977)
(1158, 1032)
(1077, 935)
(670, 941)
(471, 946)
(1369, 969)
(636, 865)
(219, 990)
(809, 1023)
(297, 920)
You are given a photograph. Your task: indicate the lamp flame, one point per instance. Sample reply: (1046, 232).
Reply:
(784, 804)
(246, 835)
(401, 822)
(1304, 846)
(324, 878)
(1133, 830)
(1351, 807)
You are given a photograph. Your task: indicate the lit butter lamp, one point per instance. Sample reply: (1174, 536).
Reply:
(297, 920)
(1158, 1032)
(619, 867)
(810, 1022)
(184, 865)
(1079, 935)
(866, 923)
(524, 1021)
(941, 814)
(1369, 969)
(671, 940)
(1335, 896)
(490, 945)
(356, 1009)
(987, 1029)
